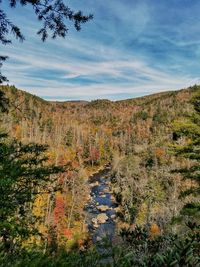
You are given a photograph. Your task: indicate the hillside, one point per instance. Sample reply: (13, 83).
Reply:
(133, 135)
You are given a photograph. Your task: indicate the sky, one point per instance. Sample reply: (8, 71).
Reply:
(131, 48)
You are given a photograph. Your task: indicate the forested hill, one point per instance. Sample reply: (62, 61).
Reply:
(101, 126)
(133, 135)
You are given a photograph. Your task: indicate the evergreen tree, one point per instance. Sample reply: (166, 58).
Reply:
(24, 173)
(189, 131)
(4, 102)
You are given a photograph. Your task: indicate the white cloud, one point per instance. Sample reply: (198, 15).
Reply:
(107, 67)
(137, 75)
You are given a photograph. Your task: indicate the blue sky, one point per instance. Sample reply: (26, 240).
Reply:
(130, 48)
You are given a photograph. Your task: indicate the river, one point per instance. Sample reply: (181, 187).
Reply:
(100, 209)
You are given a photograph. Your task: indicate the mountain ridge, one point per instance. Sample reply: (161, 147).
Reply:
(153, 95)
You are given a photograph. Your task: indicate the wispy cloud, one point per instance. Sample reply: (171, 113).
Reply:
(130, 49)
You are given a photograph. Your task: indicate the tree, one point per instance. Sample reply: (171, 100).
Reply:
(4, 102)
(52, 13)
(189, 131)
(24, 173)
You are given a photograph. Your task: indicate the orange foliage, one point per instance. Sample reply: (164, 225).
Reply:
(154, 230)
(59, 210)
(160, 152)
(61, 178)
(68, 233)
(94, 154)
(18, 132)
(75, 164)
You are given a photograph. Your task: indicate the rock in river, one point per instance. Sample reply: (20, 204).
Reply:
(95, 223)
(94, 220)
(117, 209)
(113, 216)
(99, 238)
(94, 184)
(102, 218)
(102, 207)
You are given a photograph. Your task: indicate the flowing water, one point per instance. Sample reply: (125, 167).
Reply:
(101, 207)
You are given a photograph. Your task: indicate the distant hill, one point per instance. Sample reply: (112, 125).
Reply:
(142, 117)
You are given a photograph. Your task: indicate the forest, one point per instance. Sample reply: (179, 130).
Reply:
(48, 152)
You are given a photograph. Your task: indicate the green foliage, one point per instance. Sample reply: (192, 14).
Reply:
(139, 250)
(135, 237)
(24, 174)
(191, 209)
(163, 250)
(68, 139)
(160, 116)
(4, 102)
(2, 77)
(189, 131)
(141, 115)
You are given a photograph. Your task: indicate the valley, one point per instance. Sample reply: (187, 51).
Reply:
(118, 166)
